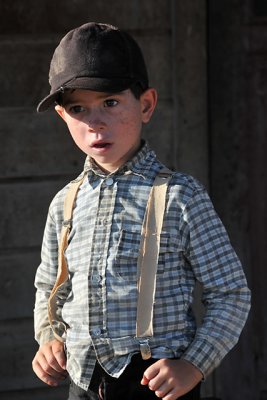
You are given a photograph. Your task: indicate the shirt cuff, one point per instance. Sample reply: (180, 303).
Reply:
(203, 356)
(45, 336)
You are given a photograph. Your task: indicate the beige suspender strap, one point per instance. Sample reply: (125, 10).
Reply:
(148, 260)
(62, 274)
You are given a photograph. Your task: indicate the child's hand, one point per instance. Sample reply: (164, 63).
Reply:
(49, 363)
(170, 379)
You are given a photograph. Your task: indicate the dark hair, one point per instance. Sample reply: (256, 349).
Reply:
(137, 90)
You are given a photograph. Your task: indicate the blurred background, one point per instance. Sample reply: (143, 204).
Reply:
(207, 59)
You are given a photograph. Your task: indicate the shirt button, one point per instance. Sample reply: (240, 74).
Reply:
(96, 331)
(109, 181)
(96, 278)
(103, 222)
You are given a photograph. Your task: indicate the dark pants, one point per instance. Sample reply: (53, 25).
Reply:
(127, 386)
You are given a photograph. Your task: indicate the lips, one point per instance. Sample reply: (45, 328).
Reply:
(100, 145)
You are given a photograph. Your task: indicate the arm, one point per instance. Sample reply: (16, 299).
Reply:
(44, 281)
(49, 362)
(225, 295)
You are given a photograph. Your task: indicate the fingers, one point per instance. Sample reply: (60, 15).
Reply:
(150, 373)
(59, 353)
(155, 380)
(167, 391)
(164, 389)
(144, 380)
(158, 381)
(46, 373)
(170, 379)
(49, 362)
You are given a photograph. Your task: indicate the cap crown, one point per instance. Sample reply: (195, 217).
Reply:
(97, 57)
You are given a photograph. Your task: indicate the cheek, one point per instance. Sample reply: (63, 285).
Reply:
(131, 124)
(75, 127)
(77, 133)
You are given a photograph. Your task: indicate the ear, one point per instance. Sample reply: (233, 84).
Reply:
(148, 101)
(61, 112)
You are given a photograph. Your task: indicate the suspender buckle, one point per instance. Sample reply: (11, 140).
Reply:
(67, 223)
(144, 348)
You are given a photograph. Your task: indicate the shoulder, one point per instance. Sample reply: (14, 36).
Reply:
(185, 187)
(182, 188)
(186, 182)
(56, 208)
(190, 198)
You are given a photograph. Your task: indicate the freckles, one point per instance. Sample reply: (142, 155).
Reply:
(124, 118)
(132, 121)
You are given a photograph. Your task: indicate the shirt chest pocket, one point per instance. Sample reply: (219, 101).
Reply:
(128, 251)
(170, 253)
(127, 254)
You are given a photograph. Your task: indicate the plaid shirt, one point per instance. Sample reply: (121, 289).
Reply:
(98, 303)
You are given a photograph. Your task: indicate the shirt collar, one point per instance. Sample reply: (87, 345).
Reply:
(140, 164)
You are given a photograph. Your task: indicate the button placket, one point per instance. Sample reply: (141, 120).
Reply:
(96, 279)
(99, 255)
(96, 332)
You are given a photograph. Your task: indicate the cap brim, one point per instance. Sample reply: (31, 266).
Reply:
(97, 84)
(47, 101)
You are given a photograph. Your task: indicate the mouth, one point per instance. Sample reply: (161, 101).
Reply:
(100, 145)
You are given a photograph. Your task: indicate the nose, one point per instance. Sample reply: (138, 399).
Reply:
(95, 122)
(96, 125)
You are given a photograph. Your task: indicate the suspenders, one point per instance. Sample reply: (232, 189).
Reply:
(147, 260)
(62, 273)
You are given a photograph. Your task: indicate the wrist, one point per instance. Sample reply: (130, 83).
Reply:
(195, 372)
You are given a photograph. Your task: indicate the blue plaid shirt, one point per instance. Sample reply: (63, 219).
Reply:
(98, 304)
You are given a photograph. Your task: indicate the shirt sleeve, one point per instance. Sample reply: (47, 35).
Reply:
(226, 296)
(44, 281)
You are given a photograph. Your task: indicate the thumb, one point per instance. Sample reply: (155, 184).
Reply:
(59, 353)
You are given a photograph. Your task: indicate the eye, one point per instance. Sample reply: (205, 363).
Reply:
(76, 109)
(110, 103)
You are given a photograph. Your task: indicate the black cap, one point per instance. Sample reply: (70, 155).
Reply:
(97, 57)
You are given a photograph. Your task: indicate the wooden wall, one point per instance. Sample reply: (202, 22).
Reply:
(238, 147)
(207, 60)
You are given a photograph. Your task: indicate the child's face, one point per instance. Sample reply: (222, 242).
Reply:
(107, 127)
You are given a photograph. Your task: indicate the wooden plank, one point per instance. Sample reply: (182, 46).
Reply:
(159, 132)
(17, 349)
(31, 83)
(42, 17)
(36, 144)
(17, 290)
(157, 52)
(23, 211)
(45, 393)
(189, 60)
(237, 129)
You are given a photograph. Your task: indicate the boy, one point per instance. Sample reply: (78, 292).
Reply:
(100, 86)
